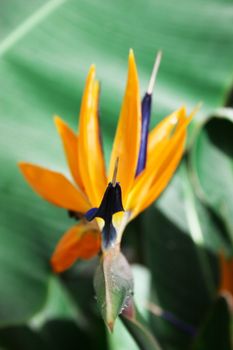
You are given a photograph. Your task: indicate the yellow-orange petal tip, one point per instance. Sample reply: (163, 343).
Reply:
(92, 69)
(58, 122)
(22, 165)
(131, 54)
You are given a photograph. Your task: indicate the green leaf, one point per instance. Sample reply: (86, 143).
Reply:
(10, 20)
(212, 166)
(59, 325)
(121, 336)
(59, 305)
(60, 334)
(21, 338)
(183, 266)
(205, 227)
(56, 334)
(79, 284)
(216, 333)
(26, 244)
(140, 331)
(113, 284)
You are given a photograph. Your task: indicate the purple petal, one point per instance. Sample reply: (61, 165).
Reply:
(146, 112)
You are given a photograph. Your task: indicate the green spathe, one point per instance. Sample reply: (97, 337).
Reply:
(113, 283)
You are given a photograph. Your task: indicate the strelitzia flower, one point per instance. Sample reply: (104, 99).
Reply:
(141, 165)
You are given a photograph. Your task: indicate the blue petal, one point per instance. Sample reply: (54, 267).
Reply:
(146, 113)
(91, 214)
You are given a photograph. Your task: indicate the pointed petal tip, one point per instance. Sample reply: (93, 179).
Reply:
(58, 122)
(55, 268)
(57, 118)
(131, 57)
(132, 67)
(195, 110)
(131, 52)
(25, 168)
(22, 165)
(92, 71)
(159, 54)
(183, 109)
(154, 73)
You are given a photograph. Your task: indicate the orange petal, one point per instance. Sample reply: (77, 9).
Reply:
(79, 242)
(91, 161)
(160, 142)
(159, 170)
(70, 144)
(162, 179)
(164, 128)
(173, 143)
(127, 138)
(54, 187)
(163, 136)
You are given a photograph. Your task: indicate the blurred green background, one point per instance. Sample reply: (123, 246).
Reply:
(46, 48)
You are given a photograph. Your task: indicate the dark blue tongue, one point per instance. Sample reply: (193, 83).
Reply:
(110, 204)
(146, 112)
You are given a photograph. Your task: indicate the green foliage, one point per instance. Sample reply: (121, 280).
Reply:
(180, 262)
(46, 48)
(140, 331)
(214, 142)
(216, 333)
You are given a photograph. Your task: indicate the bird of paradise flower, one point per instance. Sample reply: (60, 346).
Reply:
(141, 165)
